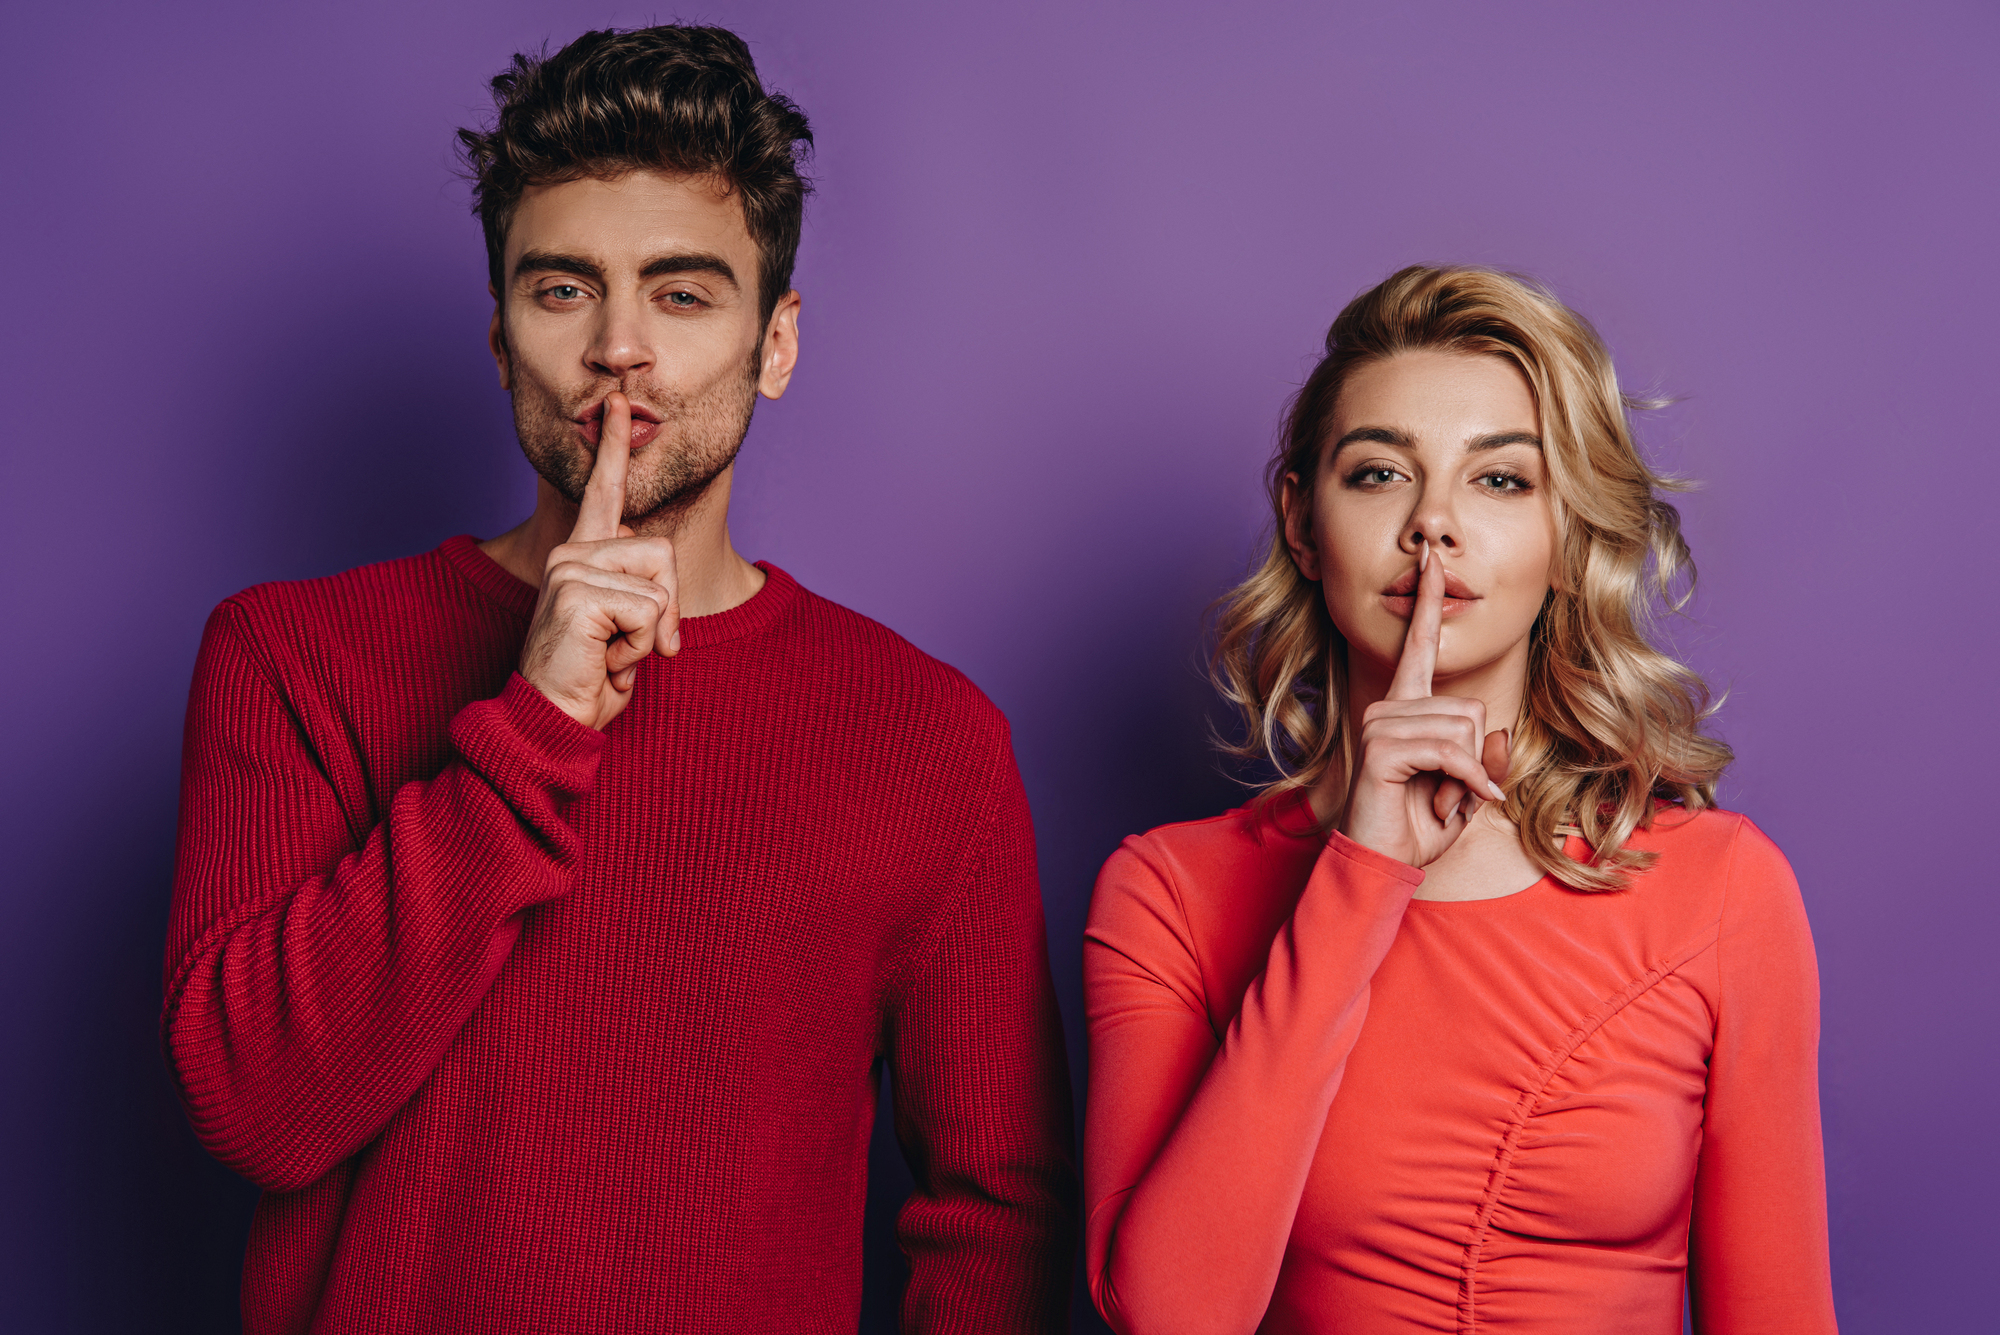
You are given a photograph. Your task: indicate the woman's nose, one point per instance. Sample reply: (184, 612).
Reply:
(1432, 521)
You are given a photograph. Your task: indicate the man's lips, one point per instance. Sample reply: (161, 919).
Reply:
(645, 424)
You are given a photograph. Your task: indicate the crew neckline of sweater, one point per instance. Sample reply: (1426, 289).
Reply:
(756, 613)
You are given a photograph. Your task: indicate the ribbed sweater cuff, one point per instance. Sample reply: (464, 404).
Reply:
(519, 733)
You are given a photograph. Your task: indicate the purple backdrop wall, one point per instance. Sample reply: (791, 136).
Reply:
(1064, 265)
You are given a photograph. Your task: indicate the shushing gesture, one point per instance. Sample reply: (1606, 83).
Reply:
(608, 598)
(1426, 760)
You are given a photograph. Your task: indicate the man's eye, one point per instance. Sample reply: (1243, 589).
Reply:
(563, 291)
(683, 300)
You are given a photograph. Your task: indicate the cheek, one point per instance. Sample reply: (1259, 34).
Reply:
(1519, 552)
(1358, 556)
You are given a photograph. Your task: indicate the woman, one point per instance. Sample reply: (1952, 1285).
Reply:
(1466, 1020)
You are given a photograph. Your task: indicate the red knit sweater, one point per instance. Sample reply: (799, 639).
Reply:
(526, 1027)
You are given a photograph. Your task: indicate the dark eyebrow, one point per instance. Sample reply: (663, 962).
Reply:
(548, 261)
(692, 262)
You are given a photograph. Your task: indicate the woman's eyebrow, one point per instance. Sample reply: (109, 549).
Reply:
(1494, 440)
(1379, 435)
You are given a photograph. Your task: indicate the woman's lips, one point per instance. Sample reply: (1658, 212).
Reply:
(1401, 595)
(1404, 605)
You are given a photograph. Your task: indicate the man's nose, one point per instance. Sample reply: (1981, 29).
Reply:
(620, 345)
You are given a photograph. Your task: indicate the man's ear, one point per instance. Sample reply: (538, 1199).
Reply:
(780, 351)
(1296, 499)
(496, 342)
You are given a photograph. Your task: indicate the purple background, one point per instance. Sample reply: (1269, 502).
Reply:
(1065, 263)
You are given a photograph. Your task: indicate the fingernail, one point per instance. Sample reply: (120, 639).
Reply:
(1494, 789)
(1424, 561)
(674, 642)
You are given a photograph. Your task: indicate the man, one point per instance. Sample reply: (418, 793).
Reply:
(544, 905)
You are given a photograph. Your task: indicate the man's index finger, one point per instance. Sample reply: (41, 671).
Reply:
(603, 506)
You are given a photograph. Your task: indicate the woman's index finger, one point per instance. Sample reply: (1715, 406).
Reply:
(603, 505)
(1420, 641)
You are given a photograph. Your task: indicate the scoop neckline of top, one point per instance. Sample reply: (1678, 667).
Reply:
(753, 614)
(1292, 817)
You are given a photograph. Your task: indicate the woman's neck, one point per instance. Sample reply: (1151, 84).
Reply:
(1500, 685)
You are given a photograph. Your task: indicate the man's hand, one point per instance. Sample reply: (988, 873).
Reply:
(608, 598)
(1426, 760)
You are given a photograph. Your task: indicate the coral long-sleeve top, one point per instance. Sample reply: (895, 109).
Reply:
(1317, 1104)
(526, 1027)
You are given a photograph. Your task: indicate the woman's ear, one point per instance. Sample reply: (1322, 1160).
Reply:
(1296, 499)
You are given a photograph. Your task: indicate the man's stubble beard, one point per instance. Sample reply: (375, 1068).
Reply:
(698, 439)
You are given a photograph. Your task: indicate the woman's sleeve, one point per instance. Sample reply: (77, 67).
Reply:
(1758, 1257)
(1197, 1150)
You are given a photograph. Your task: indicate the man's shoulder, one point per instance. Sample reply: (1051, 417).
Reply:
(368, 606)
(876, 668)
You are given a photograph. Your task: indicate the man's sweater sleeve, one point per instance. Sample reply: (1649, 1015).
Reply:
(983, 1099)
(317, 970)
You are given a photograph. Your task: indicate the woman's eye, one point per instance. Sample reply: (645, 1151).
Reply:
(1504, 482)
(1373, 477)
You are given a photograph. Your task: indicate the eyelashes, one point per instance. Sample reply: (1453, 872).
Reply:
(1514, 481)
(1501, 481)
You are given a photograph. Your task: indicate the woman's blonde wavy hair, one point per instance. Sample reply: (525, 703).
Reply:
(1609, 723)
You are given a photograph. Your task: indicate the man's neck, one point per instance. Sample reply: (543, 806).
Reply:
(712, 576)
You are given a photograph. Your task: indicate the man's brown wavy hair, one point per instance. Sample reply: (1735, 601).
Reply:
(683, 100)
(1610, 724)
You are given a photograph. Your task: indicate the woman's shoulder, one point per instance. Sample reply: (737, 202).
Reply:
(1711, 840)
(1263, 850)
(1720, 856)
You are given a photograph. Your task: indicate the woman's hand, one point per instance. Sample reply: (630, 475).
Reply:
(1425, 760)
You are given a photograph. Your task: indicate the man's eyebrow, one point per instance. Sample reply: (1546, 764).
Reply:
(690, 262)
(549, 261)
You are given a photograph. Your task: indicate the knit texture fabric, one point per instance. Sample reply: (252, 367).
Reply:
(524, 1027)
